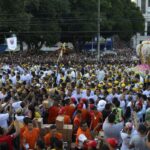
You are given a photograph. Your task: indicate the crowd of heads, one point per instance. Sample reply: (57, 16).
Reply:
(90, 95)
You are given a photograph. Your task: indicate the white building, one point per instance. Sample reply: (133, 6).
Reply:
(144, 6)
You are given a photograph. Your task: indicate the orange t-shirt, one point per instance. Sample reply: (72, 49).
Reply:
(22, 130)
(85, 114)
(31, 137)
(86, 133)
(76, 121)
(69, 110)
(53, 113)
(95, 119)
(48, 136)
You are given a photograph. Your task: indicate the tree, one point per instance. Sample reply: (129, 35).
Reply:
(45, 21)
(80, 24)
(39, 22)
(13, 17)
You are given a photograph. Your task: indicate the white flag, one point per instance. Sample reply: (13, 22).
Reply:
(12, 43)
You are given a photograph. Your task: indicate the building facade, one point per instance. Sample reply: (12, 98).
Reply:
(144, 6)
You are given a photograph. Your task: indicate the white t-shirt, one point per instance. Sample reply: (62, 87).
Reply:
(19, 118)
(16, 105)
(3, 120)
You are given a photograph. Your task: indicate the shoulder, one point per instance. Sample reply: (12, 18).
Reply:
(48, 135)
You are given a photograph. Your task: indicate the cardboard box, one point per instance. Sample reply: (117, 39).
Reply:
(60, 122)
(67, 133)
(45, 129)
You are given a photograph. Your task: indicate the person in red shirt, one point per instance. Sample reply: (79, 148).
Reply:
(69, 109)
(53, 113)
(96, 119)
(7, 140)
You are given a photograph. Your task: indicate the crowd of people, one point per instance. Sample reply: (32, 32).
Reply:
(108, 106)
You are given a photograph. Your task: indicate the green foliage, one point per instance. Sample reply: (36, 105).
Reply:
(47, 21)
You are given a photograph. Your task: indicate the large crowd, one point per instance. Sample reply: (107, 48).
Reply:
(107, 105)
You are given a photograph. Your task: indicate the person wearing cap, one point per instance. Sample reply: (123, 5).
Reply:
(138, 141)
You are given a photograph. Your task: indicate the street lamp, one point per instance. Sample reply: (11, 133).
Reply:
(98, 33)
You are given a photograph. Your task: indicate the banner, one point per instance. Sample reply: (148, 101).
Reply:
(12, 43)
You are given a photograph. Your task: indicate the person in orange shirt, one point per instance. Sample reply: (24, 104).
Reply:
(53, 134)
(22, 130)
(77, 120)
(53, 113)
(30, 136)
(85, 113)
(70, 109)
(83, 135)
(96, 119)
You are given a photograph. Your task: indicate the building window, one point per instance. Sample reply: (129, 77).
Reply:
(143, 6)
(148, 28)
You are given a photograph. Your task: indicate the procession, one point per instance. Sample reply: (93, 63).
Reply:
(74, 75)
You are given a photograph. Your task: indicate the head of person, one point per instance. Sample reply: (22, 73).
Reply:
(30, 125)
(111, 118)
(53, 130)
(142, 129)
(108, 107)
(128, 127)
(79, 113)
(26, 120)
(84, 126)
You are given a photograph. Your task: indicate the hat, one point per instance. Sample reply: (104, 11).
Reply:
(101, 105)
(112, 142)
(92, 144)
(82, 138)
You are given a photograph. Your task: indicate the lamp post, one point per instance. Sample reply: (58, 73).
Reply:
(98, 33)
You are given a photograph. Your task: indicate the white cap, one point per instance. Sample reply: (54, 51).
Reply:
(82, 138)
(101, 105)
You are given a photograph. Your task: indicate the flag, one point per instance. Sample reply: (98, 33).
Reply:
(12, 43)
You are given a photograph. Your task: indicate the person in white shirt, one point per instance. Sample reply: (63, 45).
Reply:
(16, 105)
(3, 120)
(126, 134)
